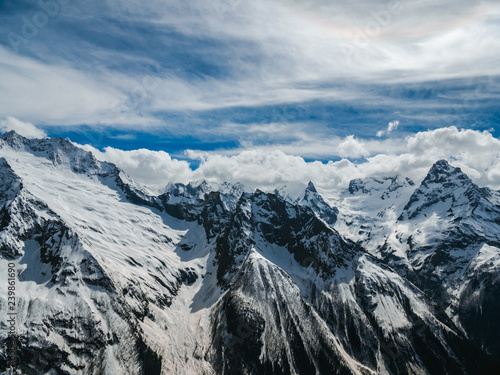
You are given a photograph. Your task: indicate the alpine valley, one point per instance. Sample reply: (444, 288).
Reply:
(389, 276)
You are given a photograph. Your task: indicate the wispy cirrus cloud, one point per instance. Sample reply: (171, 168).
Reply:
(191, 68)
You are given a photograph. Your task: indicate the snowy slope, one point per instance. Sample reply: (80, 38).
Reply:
(67, 310)
(369, 208)
(136, 247)
(295, 286)
(447, 241)
(214, 278)
(309, 197)
(443, 235)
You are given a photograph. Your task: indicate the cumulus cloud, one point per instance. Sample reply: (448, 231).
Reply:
(25, 129)
(254, 168)
(477, 153)
(352, 148)
(151, 168)
(393, 125)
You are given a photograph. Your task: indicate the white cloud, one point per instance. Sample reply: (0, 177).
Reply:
(393, 125)
(352, 148)
(152, 168)
(52, 94)
(254, 168)
(25, 129)
(477, 153)
(270, 52)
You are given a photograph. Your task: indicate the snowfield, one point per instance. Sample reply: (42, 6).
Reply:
(386, 277)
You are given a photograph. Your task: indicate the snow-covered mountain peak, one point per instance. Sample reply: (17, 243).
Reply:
(60, 152)
(444, 173)
(310, 187)
(446, 191)
(188, 201)
(308, 196)
(448, 226)
(12, 139)
(369, 207)
(197, 189)
(192, 190)
(219, 279)
(278, 230)
(293, 192)
(313, 199)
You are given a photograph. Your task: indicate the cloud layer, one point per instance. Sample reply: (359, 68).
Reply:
(478, 153)
(260, 88)
(155, 64)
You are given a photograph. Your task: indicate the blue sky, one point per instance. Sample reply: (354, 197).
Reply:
(227, 76)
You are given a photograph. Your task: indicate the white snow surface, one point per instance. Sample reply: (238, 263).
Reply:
(137, 247)
(368, 213)
(140, 249)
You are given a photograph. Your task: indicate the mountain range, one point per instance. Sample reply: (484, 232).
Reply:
(388, 276)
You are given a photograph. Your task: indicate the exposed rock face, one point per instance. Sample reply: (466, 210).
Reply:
(449, 235)
(219, 279)
(442, 235)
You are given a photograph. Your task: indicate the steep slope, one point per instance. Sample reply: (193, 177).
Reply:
(135, 246)
(300, 299)
(309, 197)
(114, 280)
(68, 314)
(447, 241)
(370, 207)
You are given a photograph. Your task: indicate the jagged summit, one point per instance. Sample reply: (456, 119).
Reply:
(308, 196)
(311, 187)
(216, 279)
(61, 152)
(442, 172)
(194, 189)
(198, 188)
(13, 139)
(292, 191)
(445, 190)
(447, 241)
(11, 134)
(187, 201)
